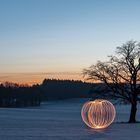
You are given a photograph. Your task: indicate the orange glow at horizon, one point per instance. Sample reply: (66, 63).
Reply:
(34, 78)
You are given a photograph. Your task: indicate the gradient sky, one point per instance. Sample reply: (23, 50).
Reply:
(44, 38)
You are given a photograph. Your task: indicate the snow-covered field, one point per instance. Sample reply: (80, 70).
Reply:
(61, 120)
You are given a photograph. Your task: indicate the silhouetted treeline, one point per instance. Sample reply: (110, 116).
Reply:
(14, 95)
(63, 89)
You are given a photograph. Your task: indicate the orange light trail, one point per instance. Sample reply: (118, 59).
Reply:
(98, 114)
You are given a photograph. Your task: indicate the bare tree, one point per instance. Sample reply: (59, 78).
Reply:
(121, 75)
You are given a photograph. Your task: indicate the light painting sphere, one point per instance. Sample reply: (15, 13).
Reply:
(98, 114)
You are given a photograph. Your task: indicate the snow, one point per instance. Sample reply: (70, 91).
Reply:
(61, 120)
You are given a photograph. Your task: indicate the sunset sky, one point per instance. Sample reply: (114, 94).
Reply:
(58, 38)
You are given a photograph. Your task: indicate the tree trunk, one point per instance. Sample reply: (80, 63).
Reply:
(132, 118)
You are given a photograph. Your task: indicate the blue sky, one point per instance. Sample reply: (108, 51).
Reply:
(41, 36)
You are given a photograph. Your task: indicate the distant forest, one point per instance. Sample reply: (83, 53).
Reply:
(14, 95)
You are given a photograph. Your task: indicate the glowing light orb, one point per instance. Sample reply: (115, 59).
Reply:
(98, 114)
